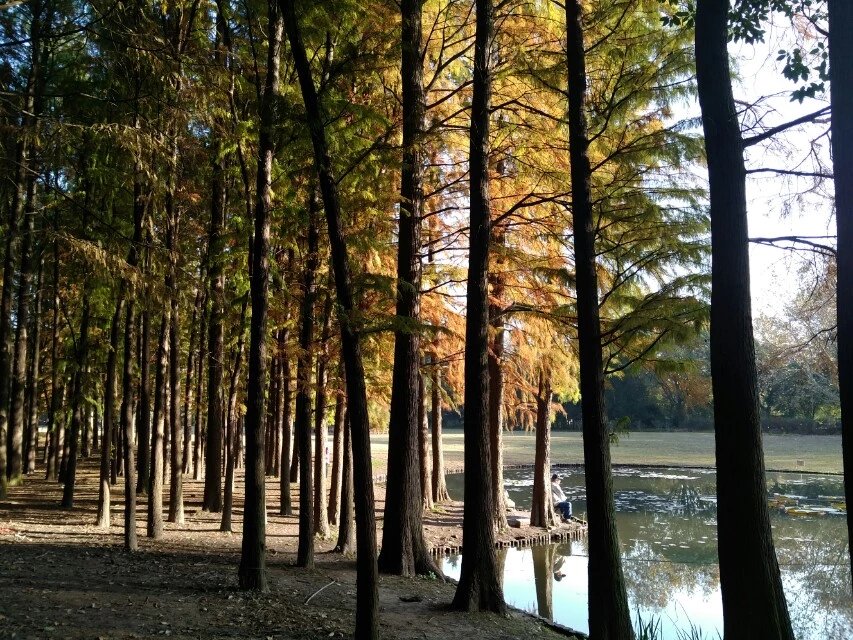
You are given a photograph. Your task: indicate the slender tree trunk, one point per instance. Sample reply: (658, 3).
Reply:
(143, 480)
(200, 381)
(17, 414)
(753, 600)
(367, 594)
(232, 424)
(252, 571)
(840, 71)
(72, 438)
(496, 381)
(609, 617)
(103, 519)
(423, 444)
(285, 508)
(55, 382)
(321, 496)
(346, 526)
(542, 505)
(304, 366)
(32, 412)
(439, 482)
(176, 487)
(404, 550)
(479, 583)
(337, 460)
(155, 478)
(186, 459)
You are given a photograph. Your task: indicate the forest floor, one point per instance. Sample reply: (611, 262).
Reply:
(62, 577)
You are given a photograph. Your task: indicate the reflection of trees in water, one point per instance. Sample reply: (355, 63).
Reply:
(543, 574)
(653, 580)
(687, 499)
(813, 556)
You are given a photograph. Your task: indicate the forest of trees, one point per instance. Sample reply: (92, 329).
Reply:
(229, 226)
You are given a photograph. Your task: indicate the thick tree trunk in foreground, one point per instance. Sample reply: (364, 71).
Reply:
(542, 505)
(841, 70)
(252, 572)
(753, 601)
(367, 594)
(749, 571)
(479, 582)
(304, 366)
(609, 616)
(72, 438)
(404, 551)
(103, 519)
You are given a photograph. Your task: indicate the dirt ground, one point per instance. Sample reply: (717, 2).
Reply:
(62, 577)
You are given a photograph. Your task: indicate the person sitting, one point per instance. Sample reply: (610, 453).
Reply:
(561, 503)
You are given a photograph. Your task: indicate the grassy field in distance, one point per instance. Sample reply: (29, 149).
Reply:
(819, 454)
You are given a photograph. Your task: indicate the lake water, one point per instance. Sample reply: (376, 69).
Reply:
(667, 529)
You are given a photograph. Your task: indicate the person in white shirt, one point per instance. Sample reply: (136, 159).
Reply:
(561, 503)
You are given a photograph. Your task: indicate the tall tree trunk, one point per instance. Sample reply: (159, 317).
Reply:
(103, 519)
(439, 481)
(840, 71)
(200, 382)
(200, 303)
(56, 386)
(321, 496)
(17, 414)
(126, 420)
(479, 582)
(496, 381)
(346, 525)
(753, 600)
(176, 487)
(81, 355)
(609, 616)
(337, 461)
(542, 505)
(155, 478)
(404, 550)
(232, 424)
(252, 571)
(423, 445)
(367, 594)
(304, 367)
(32, 400)
(143, 479)
(285, 508)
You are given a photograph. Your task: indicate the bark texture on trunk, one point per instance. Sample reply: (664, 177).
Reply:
(285, 506)
(144, 429)
(404, 551)
(321, 495)
(155, 478)
(841, 70)
(252, 573)
(346, 525)
(56, 385)
(609, 616)
(479, 582)
(367, 594)
(176, 485)
(423, 445)
(753, 601)
(337, 460)
(32, 398)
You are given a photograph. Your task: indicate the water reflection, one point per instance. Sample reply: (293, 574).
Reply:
(667, 527)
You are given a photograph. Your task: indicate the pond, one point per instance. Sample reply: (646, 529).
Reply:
(667, 529)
